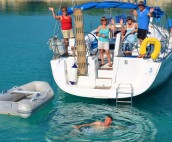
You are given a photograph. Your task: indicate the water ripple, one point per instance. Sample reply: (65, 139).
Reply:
(129, 124)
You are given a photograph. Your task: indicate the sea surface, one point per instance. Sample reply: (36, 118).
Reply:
(25, 28)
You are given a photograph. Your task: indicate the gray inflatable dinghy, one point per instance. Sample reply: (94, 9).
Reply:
(26, 99)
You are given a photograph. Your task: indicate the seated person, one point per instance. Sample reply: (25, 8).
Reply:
(129, 39)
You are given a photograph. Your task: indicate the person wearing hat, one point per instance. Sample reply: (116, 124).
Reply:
(143, 15)
(130, 38)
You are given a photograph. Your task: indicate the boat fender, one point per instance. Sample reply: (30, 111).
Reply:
(157, 47)
(73, 74)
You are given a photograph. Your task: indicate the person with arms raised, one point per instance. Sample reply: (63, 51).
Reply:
(143, 15)
(66, 25)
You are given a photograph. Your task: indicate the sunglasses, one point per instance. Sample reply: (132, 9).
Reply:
(104, 20)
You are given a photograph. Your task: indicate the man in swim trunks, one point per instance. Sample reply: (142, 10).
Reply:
(107, 122)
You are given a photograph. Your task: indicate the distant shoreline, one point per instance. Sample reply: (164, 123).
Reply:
(152, 2)
(76, 2)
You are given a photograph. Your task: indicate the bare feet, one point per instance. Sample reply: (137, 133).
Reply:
(102, 64)
(110, 65)
(141, 56)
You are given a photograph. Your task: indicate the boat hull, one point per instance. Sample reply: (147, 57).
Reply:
(164, 73)
(147, 82)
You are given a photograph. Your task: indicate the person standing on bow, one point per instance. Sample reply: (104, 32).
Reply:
(103, 40)
(143, 15)
(66, 25)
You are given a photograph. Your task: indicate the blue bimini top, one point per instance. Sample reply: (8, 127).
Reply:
(112, 4)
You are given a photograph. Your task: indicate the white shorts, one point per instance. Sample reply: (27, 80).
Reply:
(103, 45)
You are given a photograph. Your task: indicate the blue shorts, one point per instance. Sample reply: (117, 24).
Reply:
(127, 46)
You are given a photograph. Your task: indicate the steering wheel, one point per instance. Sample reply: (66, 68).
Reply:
(133, 44)
(93, 43)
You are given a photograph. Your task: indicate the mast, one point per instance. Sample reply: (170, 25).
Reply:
(80, 41)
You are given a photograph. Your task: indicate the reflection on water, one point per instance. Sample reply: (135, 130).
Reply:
(21, 7)
(129, 123)
(41, 7)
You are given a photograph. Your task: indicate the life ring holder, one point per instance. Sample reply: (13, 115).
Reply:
(157, 47)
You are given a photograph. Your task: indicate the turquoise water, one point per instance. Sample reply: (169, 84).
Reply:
(24, 57)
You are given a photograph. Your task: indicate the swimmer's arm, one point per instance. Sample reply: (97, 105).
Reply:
(88, 124)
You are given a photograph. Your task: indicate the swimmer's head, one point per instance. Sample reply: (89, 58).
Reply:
(108, 120)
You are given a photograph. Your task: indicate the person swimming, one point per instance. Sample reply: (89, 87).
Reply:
(98, 124)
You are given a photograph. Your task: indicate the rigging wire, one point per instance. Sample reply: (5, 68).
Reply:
(56, 30)
(73, 2)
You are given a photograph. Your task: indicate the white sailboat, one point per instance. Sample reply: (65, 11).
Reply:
(129, 76)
